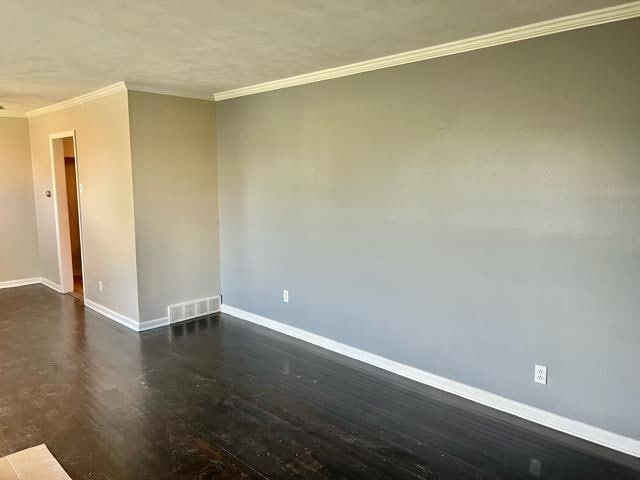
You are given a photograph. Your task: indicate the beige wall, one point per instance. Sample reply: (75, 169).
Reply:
(104, 169)
(176, 200)
(18, 233)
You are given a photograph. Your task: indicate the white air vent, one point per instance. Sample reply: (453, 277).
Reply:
(201, 307)
(213, 304)
(189, 310)
(193, 308)
(176, 313)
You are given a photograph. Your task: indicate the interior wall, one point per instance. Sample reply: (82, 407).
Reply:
(175, 187)
(18, 232)
(470, 215)
(104, 171)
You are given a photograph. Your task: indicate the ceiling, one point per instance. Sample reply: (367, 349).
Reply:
(52, 50)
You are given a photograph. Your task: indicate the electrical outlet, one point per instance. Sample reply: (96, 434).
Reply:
(540, 374)
(285, 296)
(100, 286)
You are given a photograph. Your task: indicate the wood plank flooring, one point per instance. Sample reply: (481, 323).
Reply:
(220, 398)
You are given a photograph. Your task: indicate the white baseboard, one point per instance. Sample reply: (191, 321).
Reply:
(50, 284)
(31, 281)
(578, 429)
(121, 319)
(155, 323)
(126, 321)
(20, 282)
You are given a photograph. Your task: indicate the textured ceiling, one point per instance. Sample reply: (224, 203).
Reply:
(52, 50)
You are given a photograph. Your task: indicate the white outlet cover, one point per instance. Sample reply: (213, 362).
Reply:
(285, 296)
(540, 374)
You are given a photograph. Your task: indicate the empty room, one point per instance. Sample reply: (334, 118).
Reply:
(327, 239)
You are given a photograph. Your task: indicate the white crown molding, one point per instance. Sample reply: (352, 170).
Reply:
(578, 429)
(137, 87)
(20, 282)
(8, 114)
(103, 92)
(72, 102)
(547, 27)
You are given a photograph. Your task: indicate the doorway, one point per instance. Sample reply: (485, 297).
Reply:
(67, 207)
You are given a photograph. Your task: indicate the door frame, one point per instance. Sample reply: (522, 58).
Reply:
(60, 208)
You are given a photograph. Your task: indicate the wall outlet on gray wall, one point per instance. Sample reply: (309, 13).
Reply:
(285, 296)
(540, 375)
(100, 286)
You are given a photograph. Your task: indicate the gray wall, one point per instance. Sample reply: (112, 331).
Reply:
(470, 215)
(175, 190)
(18, 233)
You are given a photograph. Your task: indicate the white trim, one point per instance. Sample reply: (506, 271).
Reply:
(136, 87)
(50, 284)
(593, 434)
(155, 323)
(103, 92)
(121, 319)
(20, 282)
(79, 207)
(547, 27)
(72, 102)
(60, 212)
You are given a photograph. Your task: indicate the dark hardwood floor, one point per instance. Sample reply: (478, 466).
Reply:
(220, 398)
